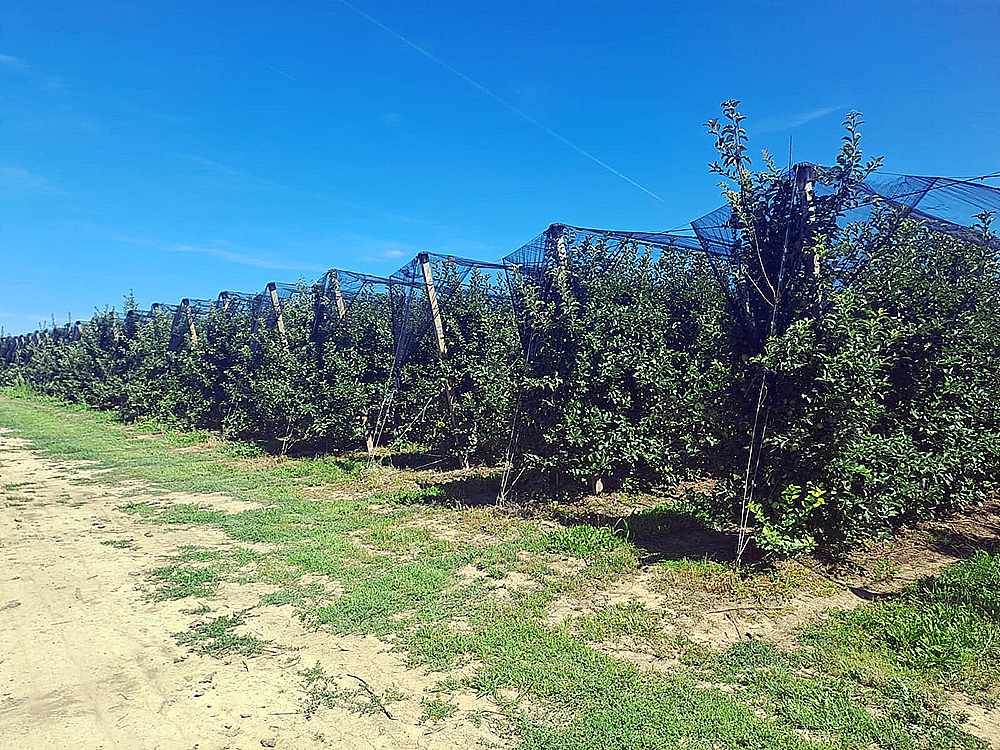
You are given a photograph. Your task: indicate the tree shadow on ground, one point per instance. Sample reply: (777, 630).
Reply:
(661, 530)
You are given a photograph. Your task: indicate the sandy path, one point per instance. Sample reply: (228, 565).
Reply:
(86, 661)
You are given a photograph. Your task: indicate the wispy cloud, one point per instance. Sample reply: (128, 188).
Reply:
(246, 259)
(14, 63)
(363, 249)
(17, 65)
(390, 118)
(257, 181)
(18, 182)
(795, 120)
(221, 250)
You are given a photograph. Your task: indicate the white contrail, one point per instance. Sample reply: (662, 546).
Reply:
(500, 100)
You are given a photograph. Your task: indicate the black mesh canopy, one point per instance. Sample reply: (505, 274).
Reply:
(942, 204)
(336, 295)
(410, 296)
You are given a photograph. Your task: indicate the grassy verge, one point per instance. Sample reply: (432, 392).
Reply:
(455, 586)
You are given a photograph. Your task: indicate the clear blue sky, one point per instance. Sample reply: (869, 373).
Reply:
(181, 148)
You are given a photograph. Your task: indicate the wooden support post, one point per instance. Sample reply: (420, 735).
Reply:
(273, 290)
(805, 179)
(186, 304)
(338, 298)
(561, 252)
(432, 300)
(425, 267)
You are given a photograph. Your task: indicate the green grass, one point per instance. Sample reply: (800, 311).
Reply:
(180, 582)
(322, 691)
(119, 543)
(871, 678)
(217, 638)
(942, 631)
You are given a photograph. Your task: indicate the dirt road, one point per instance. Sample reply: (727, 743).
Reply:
(88, 661)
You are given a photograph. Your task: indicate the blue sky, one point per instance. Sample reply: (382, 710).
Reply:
(182, 148)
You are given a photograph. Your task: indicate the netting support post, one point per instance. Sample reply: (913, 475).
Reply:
(338, 298)
(273, 291)
(186, 304)
(805, 179)
(442, 348)
(561, 251)
(224, 296)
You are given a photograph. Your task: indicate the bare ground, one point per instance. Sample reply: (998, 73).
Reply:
(88, 661)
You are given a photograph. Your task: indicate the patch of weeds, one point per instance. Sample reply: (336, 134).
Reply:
(239, 449)
(217, 638)
(884, 569)
(321, 470)
(617, 561)
(436, 709)
(631, 619)
(389, 536)
(371, 601)
(663, 519)
(202, 609)
(188, 513)
(945, 630)
(322, 691)
(193, 553)
(604, 549)
(578, 698)
(798, 698)
(187, 438)
(119, 543)
(495, 560)
(16, 486)
(779, 581)
(304, 598)
(434, 646)
(583, 541)
(179, 582)
(144, 509)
